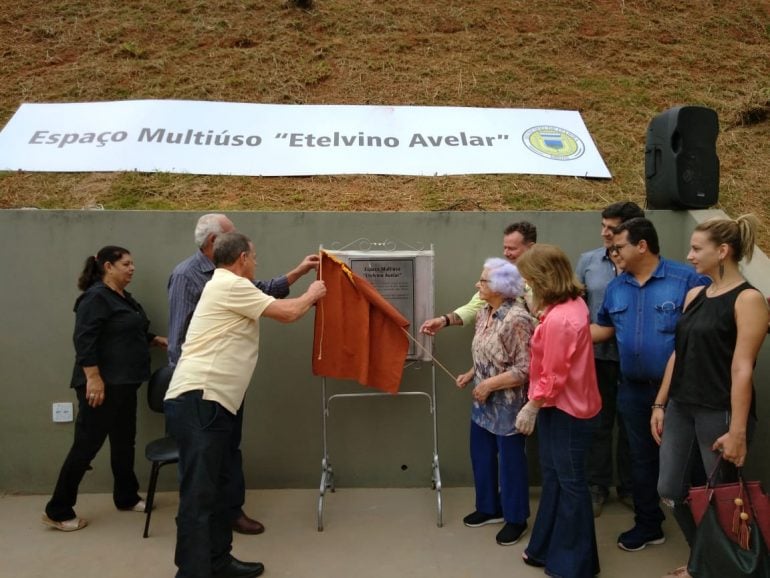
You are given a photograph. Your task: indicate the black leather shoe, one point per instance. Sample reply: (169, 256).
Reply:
(238, 569)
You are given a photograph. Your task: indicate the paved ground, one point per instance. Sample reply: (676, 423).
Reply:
(372, 533)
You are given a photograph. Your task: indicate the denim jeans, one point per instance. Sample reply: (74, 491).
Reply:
(116, 419)
(500, 474)
(599, 462)
(689, 431)
(564, 537)
(203, 430)
(635, 406)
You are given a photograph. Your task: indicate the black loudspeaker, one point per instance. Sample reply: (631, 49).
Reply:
(681, 166)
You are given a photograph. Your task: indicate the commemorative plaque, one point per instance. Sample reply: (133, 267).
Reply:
(405, 279)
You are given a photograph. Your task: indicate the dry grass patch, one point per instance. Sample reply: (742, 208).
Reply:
(619, 63)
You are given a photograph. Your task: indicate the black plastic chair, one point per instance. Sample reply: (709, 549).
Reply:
(161, 451)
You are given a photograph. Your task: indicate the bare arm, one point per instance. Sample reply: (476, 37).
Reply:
(751, 318)
(514, 334)
(289, 310)
(94, 386)
(159, 341)
(464, 378)
(601, 333)
(305, 266)
(502, 380)
(460, 316)
(659, 413)
(434, 325)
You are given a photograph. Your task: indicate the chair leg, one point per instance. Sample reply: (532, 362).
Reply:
(151, 496)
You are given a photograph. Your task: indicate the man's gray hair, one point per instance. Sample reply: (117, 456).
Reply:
(229, 246)
(504, 278)
(210, 224)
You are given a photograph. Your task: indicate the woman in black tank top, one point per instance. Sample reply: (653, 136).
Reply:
(705, 406)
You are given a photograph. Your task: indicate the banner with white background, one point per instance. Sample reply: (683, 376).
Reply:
(222, 138)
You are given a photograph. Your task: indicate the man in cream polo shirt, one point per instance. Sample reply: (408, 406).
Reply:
(208, 386)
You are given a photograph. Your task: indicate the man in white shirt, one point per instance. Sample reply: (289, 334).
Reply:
(184, 291)
(208, 386)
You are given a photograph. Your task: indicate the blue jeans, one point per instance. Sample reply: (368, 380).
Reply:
(599, 460)
(689, 431)
(635, 406)
(563, 537)
(500, 474)
(203, 430)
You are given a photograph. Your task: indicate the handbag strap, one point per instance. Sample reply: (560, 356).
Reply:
(711, 482)
(740, 526)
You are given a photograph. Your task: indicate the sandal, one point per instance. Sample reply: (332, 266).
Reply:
(531, 561)
(680, 572)
(67, 525)
(140, 506)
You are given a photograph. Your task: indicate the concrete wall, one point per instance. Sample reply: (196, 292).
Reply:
(373, 442)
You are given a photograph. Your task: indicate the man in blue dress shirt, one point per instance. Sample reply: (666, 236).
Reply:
(641, 307)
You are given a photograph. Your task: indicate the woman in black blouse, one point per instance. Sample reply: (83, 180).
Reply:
(705, 405)
(112, 359)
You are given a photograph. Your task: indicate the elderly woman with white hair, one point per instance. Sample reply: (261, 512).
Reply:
(500, 375)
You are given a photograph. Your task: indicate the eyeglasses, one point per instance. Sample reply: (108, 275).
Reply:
(617, 248)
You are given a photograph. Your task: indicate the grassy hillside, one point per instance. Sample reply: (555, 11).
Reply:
(619, 63)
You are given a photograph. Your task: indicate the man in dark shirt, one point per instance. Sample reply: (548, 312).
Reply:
(184, 291)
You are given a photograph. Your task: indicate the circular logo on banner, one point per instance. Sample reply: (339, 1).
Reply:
(554, 143)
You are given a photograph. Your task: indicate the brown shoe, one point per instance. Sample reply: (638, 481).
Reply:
(246, 525)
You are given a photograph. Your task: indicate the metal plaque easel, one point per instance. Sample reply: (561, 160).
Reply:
(415, 302)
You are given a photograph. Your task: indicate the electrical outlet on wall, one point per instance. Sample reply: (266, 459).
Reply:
(62, 412)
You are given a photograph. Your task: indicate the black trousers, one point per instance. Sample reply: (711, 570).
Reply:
(235, 488)
(204, 430)
(116, 419)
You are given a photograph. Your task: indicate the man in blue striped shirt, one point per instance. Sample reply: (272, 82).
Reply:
(184, 291)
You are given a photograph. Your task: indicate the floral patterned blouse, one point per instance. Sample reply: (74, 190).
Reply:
(502, 344)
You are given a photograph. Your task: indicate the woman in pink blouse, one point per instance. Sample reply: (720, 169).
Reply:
(500, 375)
(564, 400)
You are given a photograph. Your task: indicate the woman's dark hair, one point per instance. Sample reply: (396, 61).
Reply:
(93, 270)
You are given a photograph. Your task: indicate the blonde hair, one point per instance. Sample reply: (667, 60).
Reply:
(549, 272)
(739, 234)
